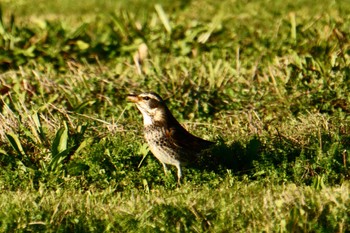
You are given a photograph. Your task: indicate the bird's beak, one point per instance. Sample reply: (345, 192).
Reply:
(133, 98)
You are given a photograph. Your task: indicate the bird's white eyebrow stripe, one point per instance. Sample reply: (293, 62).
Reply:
(150, 96)
(145, 95)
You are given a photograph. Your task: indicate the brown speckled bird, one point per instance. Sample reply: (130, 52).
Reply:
(169, 142)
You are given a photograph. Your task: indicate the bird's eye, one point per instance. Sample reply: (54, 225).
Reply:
(146, 98)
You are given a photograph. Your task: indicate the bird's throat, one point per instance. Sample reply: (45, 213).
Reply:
(147, 119)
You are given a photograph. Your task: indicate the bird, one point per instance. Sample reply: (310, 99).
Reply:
(167, 139)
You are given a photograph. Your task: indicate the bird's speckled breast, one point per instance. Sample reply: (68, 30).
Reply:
(161, 147)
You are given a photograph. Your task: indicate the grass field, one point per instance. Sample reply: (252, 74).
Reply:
(269, 81)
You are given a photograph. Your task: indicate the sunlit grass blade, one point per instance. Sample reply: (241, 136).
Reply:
(59, 148)
(37, 129)
(60, 141)
(163, 17)
(2, 29)
(16, 144)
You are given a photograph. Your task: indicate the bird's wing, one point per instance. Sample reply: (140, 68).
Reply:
(179, 137)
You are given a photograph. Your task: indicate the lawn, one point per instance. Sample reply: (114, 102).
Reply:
(268, 81)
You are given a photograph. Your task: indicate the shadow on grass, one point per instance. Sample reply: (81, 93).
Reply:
(281, 157)
(236, 156)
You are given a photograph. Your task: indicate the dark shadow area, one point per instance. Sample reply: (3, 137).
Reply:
(282, 158)
(237, 157)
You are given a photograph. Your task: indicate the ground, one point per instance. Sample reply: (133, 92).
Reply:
(268, 81)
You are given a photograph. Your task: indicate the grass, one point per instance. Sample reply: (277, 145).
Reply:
(269, 83)
(278, 208)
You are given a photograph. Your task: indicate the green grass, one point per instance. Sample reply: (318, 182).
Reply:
(269, 81)
(230, 207)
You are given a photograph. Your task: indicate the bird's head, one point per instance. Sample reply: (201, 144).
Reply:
(151, 105)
